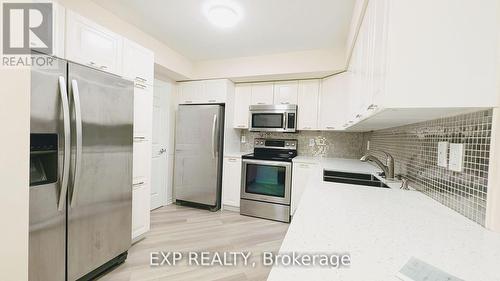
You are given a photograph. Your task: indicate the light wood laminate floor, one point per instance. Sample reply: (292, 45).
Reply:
(184, 229)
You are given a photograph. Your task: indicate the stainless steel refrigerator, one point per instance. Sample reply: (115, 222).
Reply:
(199, 146)
(80, 171)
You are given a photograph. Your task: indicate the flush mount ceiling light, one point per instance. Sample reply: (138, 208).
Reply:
(223, 14)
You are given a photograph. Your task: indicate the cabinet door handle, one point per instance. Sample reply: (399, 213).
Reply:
(241, 126)
(140, 79)
(232, 159)
(359, 116)
(329, 127)
(211, 100)
(304, 166)
(103, 67)
(372, 106)
(91, 63)
(261, 103)
(139, 85)
(285, 102)
(188, 101)
(137, 184)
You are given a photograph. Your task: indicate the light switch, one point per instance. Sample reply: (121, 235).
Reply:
(456, 157)
(442, 154)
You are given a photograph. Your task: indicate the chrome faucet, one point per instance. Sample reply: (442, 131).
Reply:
(388, 167)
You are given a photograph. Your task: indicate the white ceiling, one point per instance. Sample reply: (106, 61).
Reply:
(267, 27)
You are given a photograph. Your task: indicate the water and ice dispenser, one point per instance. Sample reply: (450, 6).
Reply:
(43, 159)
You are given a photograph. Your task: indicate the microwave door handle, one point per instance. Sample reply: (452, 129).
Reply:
(78, 133)
(285, 119)
(214, 124)
(67, 143)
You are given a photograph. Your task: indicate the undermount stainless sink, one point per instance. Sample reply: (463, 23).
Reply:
(352, 178)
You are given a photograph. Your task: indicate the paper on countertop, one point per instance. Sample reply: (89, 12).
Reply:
(417, 270)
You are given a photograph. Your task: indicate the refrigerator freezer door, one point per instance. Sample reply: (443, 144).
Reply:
(100, 194)
(47, 224)
(198, 146)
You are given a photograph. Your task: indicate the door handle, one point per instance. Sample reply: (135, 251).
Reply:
(78, 142)
(67, 143)
(214, 124)
(163, 150)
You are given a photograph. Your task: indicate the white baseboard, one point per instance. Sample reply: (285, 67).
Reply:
(230, 208)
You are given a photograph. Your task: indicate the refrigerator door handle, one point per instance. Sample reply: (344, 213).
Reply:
(67, 143)
(78, 141)
(214, 124)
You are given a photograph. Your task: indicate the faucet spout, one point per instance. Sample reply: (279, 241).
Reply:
(388, 167)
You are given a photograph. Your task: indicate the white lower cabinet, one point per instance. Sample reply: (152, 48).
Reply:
(140, 209)
(231, 181)
(300, 177)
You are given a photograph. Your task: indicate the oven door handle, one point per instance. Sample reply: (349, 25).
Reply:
(268, 162)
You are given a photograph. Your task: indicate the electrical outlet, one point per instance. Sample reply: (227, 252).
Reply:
(442, 154)
(311, 142)
(456, 157)
(243, 139)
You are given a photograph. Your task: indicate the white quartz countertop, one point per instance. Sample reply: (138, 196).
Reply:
(382, 229)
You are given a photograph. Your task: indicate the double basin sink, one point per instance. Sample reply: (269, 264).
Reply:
(352, 178)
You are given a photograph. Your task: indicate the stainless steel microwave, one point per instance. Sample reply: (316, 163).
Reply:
(273, 118)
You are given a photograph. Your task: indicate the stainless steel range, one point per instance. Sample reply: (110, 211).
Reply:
(266, 180)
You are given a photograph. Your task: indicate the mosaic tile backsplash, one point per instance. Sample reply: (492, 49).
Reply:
(326, 144)
(414, 148)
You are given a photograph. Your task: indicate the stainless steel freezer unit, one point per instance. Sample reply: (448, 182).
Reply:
(198, 155)
(80, 171)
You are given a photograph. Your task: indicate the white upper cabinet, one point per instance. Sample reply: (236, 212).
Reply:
(216, 91)
(242, 101)
(333, 102)
(92, 45)
(285, 92)
(205, 91)
(262, 93)
(307, 101)
(138, 63)
(191, 92)
(404, 69)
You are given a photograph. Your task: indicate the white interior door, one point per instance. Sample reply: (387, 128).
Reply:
(159, 168)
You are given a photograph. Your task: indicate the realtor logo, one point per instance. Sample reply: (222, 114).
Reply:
(27, 27)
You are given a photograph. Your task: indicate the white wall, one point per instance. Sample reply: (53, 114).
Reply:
(493, 204)
(293, 65)
(14, 173)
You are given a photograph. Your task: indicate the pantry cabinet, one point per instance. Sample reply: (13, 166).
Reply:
(141, 196)
(242, 101)
(286, 92)
(308, 104)
(231, 181)
(300, 178)
(91, 44)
